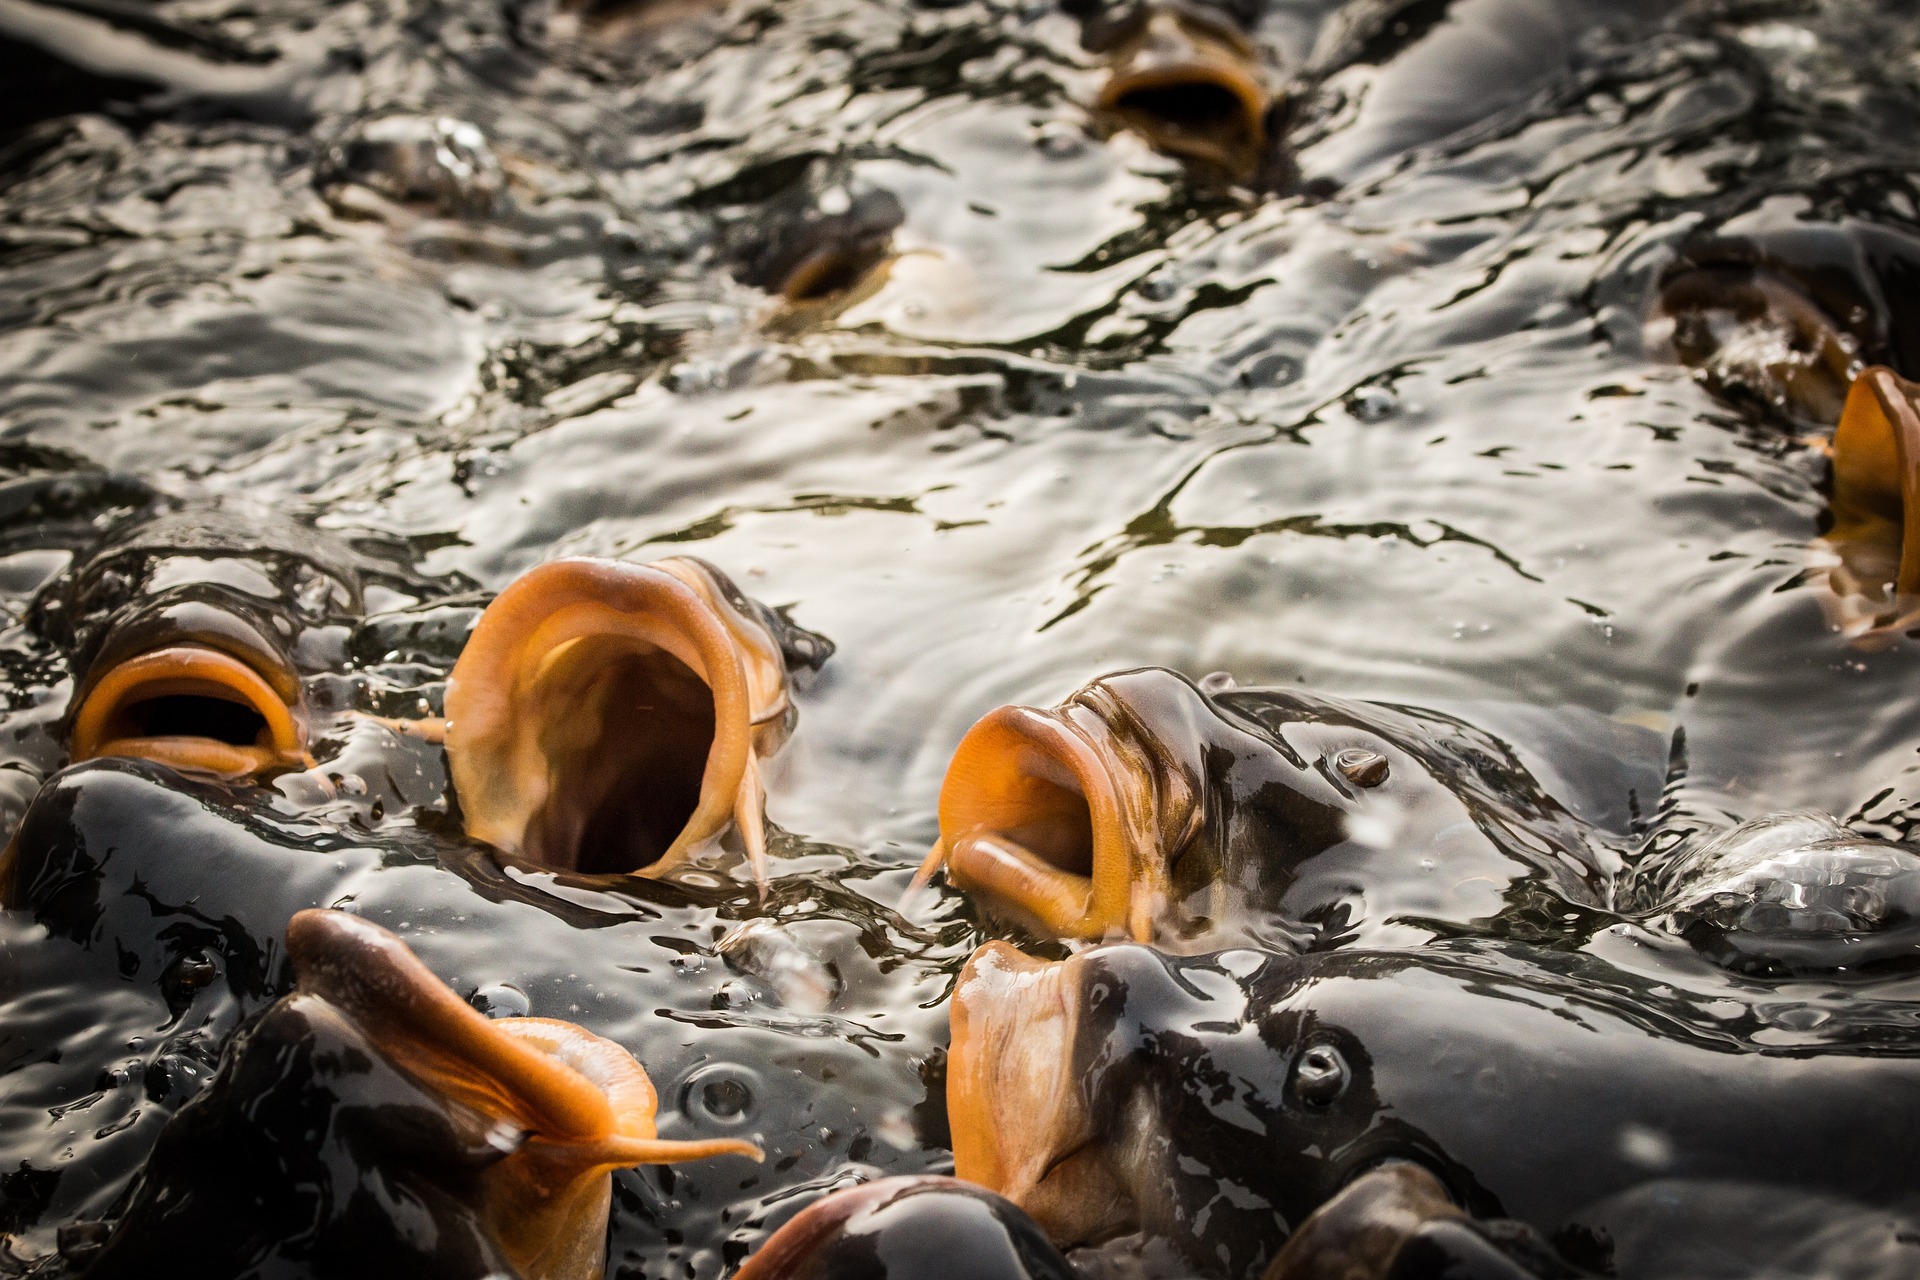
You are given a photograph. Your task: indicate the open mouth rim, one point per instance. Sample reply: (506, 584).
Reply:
(497, 759)
(1217, 60)
(1074, 755)
(103, 723)
(1020, 1128)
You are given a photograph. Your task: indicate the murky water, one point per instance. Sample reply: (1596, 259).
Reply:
(1390, 428)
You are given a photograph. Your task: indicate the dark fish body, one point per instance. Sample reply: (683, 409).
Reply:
(147, 917)
(1480, 60)
(1544, 1089)
(1288, 814)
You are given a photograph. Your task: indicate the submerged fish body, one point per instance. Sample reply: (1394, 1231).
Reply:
(1221, 1100)
(1145, 807)
(1783, 320)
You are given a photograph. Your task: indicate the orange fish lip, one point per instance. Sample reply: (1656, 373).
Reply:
(1067, 816)
(1020, 1124)
(150, 705)
(1875, 538)
(1192, 88)
(610, 716)
(581, 1106)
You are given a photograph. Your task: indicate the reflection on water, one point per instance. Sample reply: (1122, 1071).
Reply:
(877, 307)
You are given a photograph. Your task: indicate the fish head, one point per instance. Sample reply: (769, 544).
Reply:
(392, 165)
(503, 1132)
(1198, 1100)
(1781, 319)
(1187, 78)
(189, 634)
(1147, 808)
(196, 684)
(814, 234)
(610, 717)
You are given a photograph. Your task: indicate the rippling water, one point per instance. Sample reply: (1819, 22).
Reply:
(1388, 430)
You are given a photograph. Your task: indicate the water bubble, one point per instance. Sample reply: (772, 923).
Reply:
(1372, 404)
(501, 1000)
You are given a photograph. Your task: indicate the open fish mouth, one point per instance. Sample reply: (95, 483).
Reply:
(1070, 817)
(610, 718)
(1020, 1121)
(237, 712)
(566, 1105)
(1192, 88)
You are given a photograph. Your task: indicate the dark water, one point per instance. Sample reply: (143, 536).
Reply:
(1387, 429)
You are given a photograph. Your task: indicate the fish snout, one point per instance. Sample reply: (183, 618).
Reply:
(1753, 336)
(1192, 85)
(610, 717)
(569, 1106)
(1068, 818)
(1021, 1122)
(192, 687)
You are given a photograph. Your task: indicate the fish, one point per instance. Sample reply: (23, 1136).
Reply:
(1871, 553)
(1242, 1104)
(190, 630)
(1186, 78)
(611, 718)
(144, 924)
(501, 1133)
(400, 168)
(913, 1227)
(812, 233)
(1782, 320)
(1143, 807)
(1400, 76)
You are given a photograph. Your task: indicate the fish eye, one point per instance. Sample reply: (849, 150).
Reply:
(1320, 1076)
(1362, 767)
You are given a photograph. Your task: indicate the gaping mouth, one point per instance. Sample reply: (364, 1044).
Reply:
(1020, 1123)
(1065, 816)
(832, 270)
(1191, 89)
(193, 707)
(609, 717)
(1876, 484)
(581, 1105)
